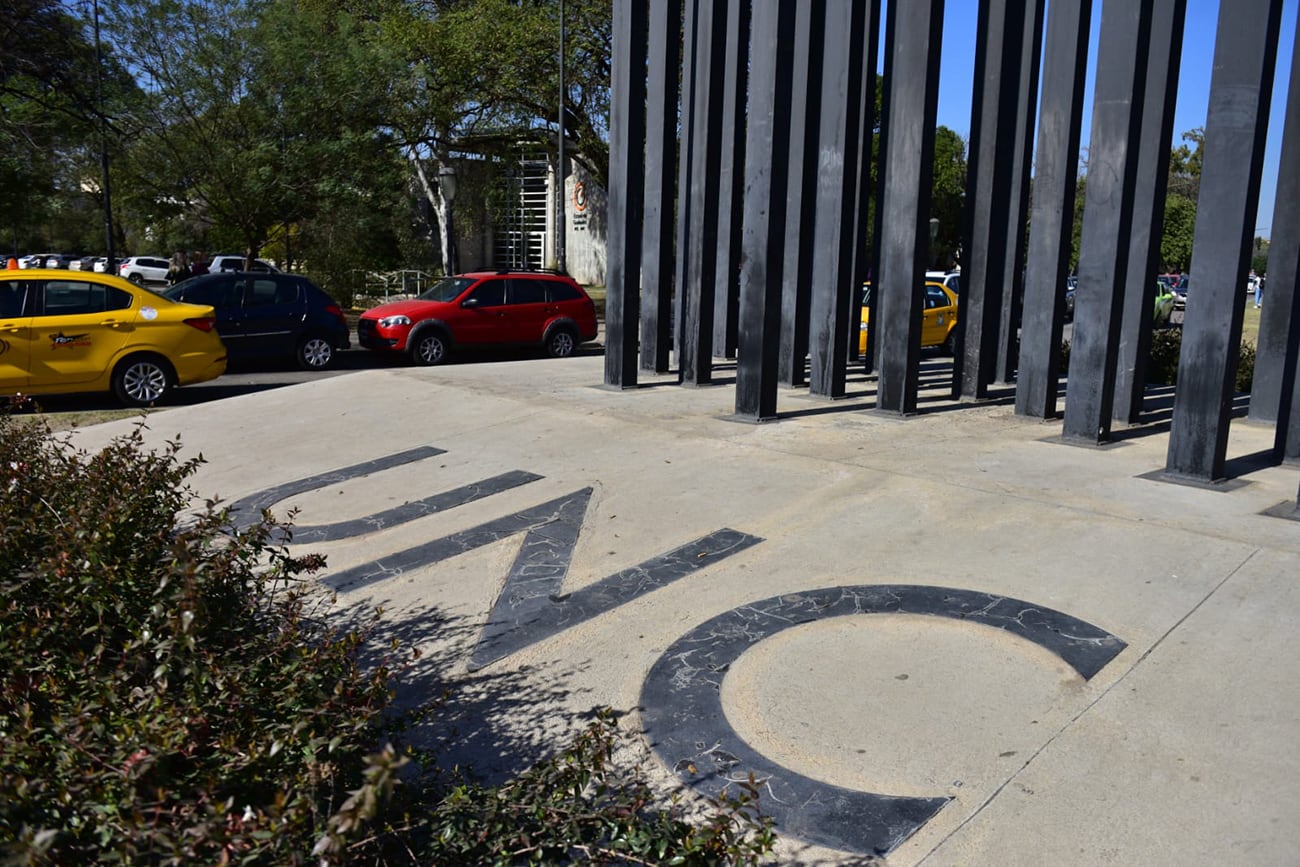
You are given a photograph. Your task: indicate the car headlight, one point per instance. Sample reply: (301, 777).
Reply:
(390, 321)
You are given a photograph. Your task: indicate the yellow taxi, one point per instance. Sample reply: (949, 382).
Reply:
(63, 332)
(938, 321)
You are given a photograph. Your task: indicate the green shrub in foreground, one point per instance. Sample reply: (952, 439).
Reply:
(173, 691)
(167, 694)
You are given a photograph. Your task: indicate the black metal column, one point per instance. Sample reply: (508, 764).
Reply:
(998, 57)
(685, 165)
(871, 361)
(1283, 273)
(626, 169)
(704, 191)
(864, 224)
(1277, 323)
(660, 190)
(809, 27)
(1163, 56)
(731, 192)
(1245, 52)
(767, 180)
(1031, 48)
(844, 78)
(1107, 218)
(1059, 121)
(914, 40)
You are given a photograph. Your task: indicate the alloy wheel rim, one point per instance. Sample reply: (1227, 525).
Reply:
(145, 382)
(431, 349)
(316, 353)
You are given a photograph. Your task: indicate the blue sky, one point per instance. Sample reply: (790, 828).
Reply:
(958, 64)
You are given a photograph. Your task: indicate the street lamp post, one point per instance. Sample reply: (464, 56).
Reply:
(560, 190)
(110, 266)
(447, 184)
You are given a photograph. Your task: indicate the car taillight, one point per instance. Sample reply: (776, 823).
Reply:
(203, 323)
(334, 310)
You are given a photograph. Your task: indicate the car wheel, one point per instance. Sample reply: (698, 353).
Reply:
(315, 353)
(136, 279)
(430, 348)
(561, 343)
(142, 381)
(950, 344)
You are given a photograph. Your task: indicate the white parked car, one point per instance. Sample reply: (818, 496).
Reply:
(58, 260)
(951, 280)
(232, 262)
(144, 269)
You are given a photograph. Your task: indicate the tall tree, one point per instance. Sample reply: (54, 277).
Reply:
(55, 103)
(483, 79)
(1180, 201)
(948, 192)
(261, 113)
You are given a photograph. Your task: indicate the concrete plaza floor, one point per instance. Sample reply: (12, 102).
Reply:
(1179, 748)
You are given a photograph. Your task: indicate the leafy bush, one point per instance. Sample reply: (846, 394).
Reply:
(170, 695)
(174, 691)
(1162, 363)
(1245, 368)
(1167, 343)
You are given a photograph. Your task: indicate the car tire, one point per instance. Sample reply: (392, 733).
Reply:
(137, 279)
(950, 343)
(315, 353)
(561, 342)
(142, 380)
(429, 348)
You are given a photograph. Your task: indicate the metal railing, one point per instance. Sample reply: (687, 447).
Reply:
(389, 284)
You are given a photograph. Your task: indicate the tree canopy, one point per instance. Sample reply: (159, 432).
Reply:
(301, 129)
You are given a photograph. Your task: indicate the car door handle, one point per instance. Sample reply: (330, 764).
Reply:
(114, 323)
(10, 327)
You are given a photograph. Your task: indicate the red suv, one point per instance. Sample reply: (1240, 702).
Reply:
(483, 309)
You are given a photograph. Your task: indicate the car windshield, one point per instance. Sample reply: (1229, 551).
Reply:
(446, 289)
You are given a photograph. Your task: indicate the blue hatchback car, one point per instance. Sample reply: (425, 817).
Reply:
(265, 316)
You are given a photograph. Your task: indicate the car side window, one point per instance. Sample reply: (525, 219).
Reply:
(559, 291)
(69, 298)
(524, 291)
(222, 293)
(13, 295)
(491, 293)
(266, 292)
(934, 297)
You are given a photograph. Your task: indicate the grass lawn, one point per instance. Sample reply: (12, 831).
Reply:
(1250, 323)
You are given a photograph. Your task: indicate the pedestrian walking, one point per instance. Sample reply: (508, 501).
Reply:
(1259, 289)
(178, 269)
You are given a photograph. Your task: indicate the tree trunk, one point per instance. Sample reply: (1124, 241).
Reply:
(433, 194)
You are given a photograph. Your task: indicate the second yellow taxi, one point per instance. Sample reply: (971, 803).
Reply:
(938, 322)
